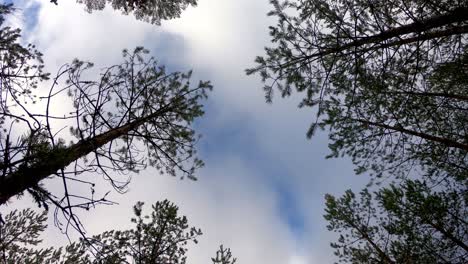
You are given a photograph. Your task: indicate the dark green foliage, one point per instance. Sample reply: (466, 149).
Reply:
(21, 67)
(19, 241)
(388, 79)
(161, 237)
(223, 256)
(152, 11)
(407, 223)
(136, 114)
(393, 131)
(372, 71)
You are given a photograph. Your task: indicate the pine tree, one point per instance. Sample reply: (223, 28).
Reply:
(387, 78)
(20, 241)
(151, 11)
(223, 256)
(403, 223)
(161, 237)
(135, 115)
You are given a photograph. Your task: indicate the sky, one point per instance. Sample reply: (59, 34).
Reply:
(261, 192)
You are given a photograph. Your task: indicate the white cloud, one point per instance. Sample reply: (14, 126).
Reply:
(222, 32)
(233, 202)
(229, 204)
(297, 260)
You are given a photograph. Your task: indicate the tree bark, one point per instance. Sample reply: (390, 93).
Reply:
(364, 235)
(27, 176)
(457, 15)
(429, 94)
(444, 141)
(447, 234)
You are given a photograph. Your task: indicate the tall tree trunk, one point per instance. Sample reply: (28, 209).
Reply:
(457, 15)
(385, 258)
(429, 94)
(447, 234)
(444, 141)
(27, 176)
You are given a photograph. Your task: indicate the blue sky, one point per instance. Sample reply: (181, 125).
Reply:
(261, 191)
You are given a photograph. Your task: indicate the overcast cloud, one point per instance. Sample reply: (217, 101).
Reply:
(261, 191)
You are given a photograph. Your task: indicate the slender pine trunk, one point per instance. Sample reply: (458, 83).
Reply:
(445, 141)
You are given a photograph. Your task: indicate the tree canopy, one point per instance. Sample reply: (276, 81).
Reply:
(160, 237)
(382, 76)
(134, 115)
(151, 11)
(387, 79)
(20, 241)
(403, 223)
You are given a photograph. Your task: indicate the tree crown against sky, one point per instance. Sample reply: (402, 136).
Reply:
(387, 79)
(160, 237)
(21, 66)
(408, 222)
(151, 11)
(432, 94)
(134, 115)
(382, 76)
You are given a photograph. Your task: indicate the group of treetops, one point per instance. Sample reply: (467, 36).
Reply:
(387, 80)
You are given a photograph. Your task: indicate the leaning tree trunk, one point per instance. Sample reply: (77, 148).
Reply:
(29, 175)
(445, 141)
